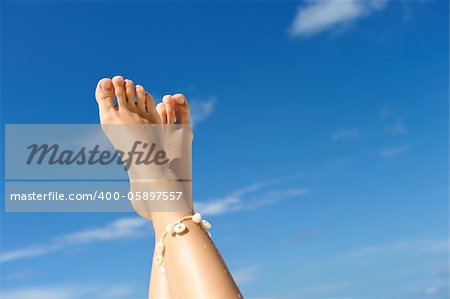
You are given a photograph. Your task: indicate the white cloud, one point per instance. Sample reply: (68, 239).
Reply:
(394, 151)
(321, 290)
(228, 203)
(325, 290)
(400, 248)
(132, 227)
(321, 15)
(246, 274)
(398, 128)
(119, 229)
(116, 291)
(346, 134)
(392, 121)
(69, 292)
(219, 206)
(386, 111)
(272, 197)
(248, 198)
(201, 109)
(39, 293)
(28, 252)
(19, 275)
(432, 290)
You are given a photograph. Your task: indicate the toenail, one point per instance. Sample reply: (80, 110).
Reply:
(180, 100)
(106, 84)
(166, 99)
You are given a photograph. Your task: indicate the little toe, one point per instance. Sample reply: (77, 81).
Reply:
(119, 88)
(104, 94)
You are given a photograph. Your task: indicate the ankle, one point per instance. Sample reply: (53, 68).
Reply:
(162, 219)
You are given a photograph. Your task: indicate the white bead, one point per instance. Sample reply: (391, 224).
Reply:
(158, 259)
(179, 228)
(206, 224)
(197, 218)
(160, 247)
(169, 228)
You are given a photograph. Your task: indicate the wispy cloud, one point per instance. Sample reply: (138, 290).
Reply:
(304, 235)
(436, 286)
(394, 150)
(201, 109)
(345, 134)
(317, 15)
(70, 292)
(400, 248)
(386, 111)
(272, 197)
(396, 259)
(397, 128)
(326, 289)
(119, 229)
(392, 121)
(246, 274)
(332, 166)
(19, 275)
(40, 293)
(29, 252)
(122, 228)
(434, 291)
(248, 198)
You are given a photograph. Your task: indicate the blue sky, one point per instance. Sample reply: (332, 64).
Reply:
(321, 141)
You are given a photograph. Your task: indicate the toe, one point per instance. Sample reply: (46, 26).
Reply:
(129, 91)
(181, 108)
(104, 94)
(150, 106)
(140, 100)
(119, 89)
(161, 109)
(170, 108)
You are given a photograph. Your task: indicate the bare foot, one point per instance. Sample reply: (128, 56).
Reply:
(133, 125)
(178, 136)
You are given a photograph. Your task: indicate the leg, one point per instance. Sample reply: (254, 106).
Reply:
(194, 267)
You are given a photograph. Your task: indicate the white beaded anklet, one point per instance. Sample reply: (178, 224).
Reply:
(178, 227)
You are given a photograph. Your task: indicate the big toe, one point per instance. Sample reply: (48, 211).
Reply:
(104, 94)
(181, 108)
